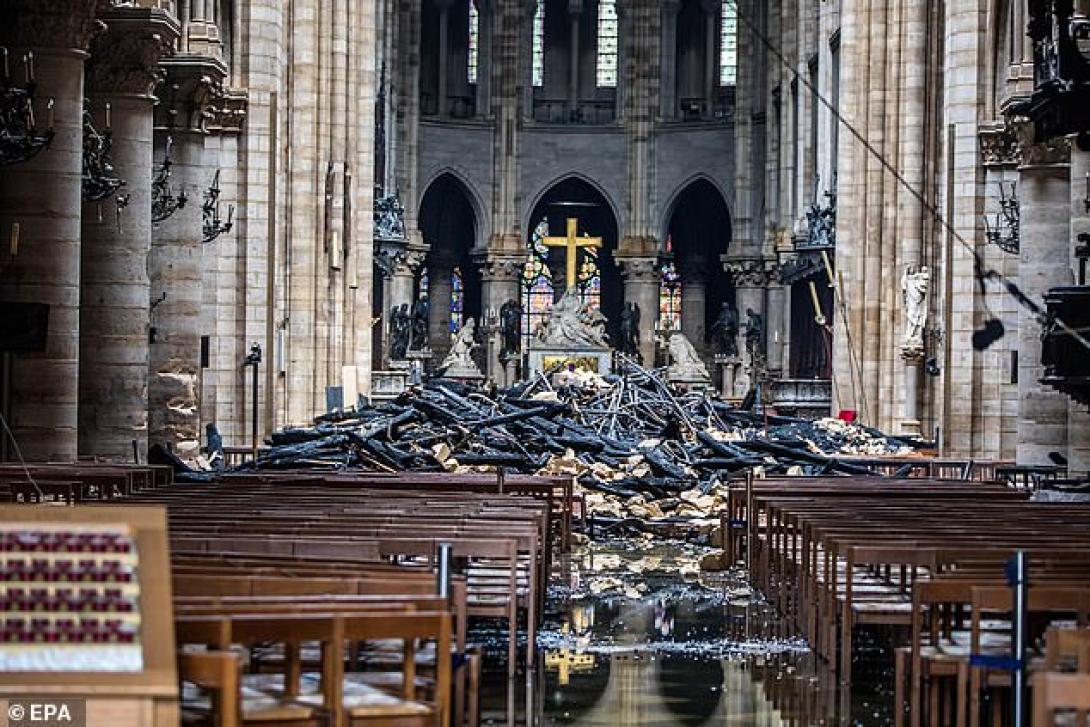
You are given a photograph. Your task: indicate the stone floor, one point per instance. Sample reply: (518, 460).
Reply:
(637, 635)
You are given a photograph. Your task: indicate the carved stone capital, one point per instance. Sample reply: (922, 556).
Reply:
(397, 258)
(125, 59)
(1037, 154)
(62, 24)
(639, 269)
(229, 114)
(749, 272)
(998, 146)
(500, 267)
(190, 93)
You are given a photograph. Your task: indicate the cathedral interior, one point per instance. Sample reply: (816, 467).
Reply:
(665, 361)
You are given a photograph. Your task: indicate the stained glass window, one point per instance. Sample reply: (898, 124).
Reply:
(607, 43)
(670, 298)
(457, 300)
(538, 49)
(474, 41)
(728, 44)
(537, 284)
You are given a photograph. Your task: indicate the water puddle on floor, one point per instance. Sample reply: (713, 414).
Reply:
(638, 634)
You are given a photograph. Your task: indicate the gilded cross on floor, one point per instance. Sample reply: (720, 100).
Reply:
(572, 243)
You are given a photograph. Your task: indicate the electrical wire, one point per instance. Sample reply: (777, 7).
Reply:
(19, 454)
(1039, 312)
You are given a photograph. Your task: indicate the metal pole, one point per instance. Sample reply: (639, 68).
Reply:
(1019, 580)
(446, 556)
(254, 431)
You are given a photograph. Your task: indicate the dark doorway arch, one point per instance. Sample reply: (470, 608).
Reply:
(697, 234)
(449, 277)
(544, 277)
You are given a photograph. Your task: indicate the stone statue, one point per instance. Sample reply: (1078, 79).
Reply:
(571, 325)
(510, 329)
(400, 331)
(459, 362)
(914, 284)
(419, 338)
(755, 332)
(389, 218)
(685, 363)
(725, 330)
(630, 329)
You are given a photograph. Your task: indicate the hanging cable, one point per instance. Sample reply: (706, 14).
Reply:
(19, 454)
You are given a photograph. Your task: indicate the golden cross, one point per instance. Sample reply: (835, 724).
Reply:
(572, 243)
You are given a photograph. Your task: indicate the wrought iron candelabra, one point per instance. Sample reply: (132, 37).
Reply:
(213, 225)
(1004, 233)
(20, 137)
(164, 203)
(99, 178)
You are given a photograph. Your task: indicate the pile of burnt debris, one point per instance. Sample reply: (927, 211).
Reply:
(626, 436)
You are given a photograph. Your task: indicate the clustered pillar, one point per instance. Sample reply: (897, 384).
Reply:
(1044, 192)
(114, 318)
(42, 196)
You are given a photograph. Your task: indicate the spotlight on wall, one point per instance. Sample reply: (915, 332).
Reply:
(932, 367)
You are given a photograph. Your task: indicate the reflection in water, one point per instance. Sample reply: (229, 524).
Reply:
(678, 652)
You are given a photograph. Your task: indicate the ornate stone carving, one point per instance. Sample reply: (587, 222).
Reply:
(685, 363)
(459, 363)
(1053, 151)
(749, 272)
(573, 325)
(639, 269)
(190, 93)
(494, 267)
(50, 23)
(914, 285)
(229, 114)
(395, 258)
(125, 59)
(998, 146)
(389, 218)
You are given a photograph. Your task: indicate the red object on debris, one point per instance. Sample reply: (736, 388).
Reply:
(846, 415)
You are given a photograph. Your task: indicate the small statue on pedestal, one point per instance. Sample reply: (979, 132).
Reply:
(510, 330)
(630, 330)
(686, 367)
(755, 332)
(459, 362)
(400, 331)
(725, 331)
(419, 338)
(914, 284)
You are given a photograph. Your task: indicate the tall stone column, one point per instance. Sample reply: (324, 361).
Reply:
(750, 277)
(400, 268)
(641, 286)
(711, 45)
(444, 53)
(484, 56)
(174, 263)
(114, 318)
(1045, 197)
(500, 277)
(668, 90)
(777, 322)
(694, 283)
(43, 196)
(575, 11)
(1078, 418)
